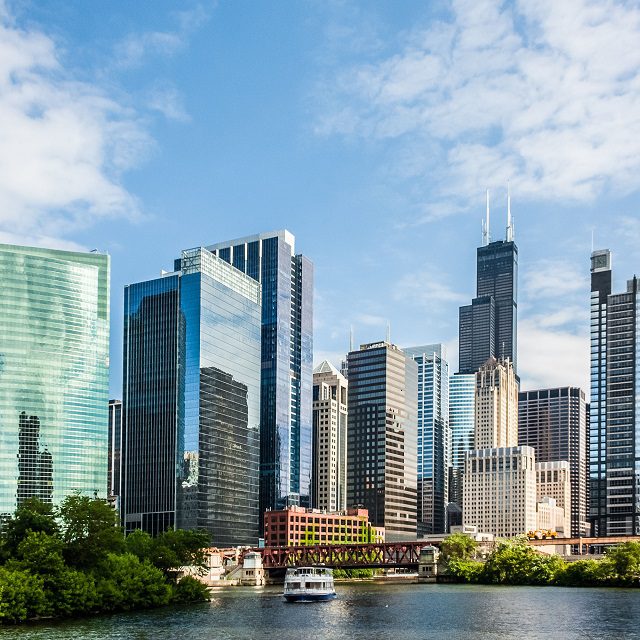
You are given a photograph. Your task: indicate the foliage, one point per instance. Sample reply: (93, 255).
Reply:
(582, 573)
(458, 546)
(353, 573)
(190, 589)
(32, 515)
(89, 530)
(179, 548)
(465, 570)
(623, 562)
(22, 596)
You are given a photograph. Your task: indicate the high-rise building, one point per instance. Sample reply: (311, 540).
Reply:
(488, 326)
(615, 417)
(499, 490)
(54, 374)
(115, 446)
(496, 423)
(553, 480)
(462, 403)
(600, 291)
(434, 442)
(330, 389)
(191, 400)
(287, 362)
(382, 437)
(555, 423)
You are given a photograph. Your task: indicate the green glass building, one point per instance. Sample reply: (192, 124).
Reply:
(54, 374)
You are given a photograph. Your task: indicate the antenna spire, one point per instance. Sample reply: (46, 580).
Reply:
(486, 233)
(389, 332)
(509, 222)
(351, 338)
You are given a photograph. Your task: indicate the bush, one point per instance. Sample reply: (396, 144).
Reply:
(22, 596)
(465, 570)
(190, 589)
(582, 573)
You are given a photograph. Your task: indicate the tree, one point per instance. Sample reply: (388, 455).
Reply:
(22, 596)
(190, 589)
(89, 530)
(32, 515)
(458, 546)
(465, 570)
(624, 560)
(180, 548)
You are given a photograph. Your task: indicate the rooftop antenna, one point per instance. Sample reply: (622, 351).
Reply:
(486, 235)
(351, 338)
(509, 222)
(592, 239)
(388, 332)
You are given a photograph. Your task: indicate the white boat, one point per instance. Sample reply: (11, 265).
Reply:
(307, 584)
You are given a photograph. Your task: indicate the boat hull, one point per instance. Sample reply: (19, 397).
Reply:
(309, 597)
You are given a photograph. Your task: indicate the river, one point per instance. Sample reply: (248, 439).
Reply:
(372, 612)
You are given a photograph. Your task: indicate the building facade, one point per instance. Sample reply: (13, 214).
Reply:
(499, 491)
(115, 446)
(496, 410)
(287, 362)
(615, 415)
(382, 438)
(330, 415)
(434, 438)
(191, 399)
(488, 326)
(54, 374)
(296, 526)
(553, 480)
(555, 422)
(462, 407)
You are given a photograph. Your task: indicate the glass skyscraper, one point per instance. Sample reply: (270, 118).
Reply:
(54, 374)
(287, 362)
(191, 398)
(614, 456)
(462, 403)
(488, 326)
(434, 444)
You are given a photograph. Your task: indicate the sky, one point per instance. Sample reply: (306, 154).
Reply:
(370, 130)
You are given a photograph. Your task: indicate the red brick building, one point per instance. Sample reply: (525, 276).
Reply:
(299, 526)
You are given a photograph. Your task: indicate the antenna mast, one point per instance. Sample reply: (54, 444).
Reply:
(509, 222)
(486, 234)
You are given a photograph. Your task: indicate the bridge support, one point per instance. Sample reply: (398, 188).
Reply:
(428, 564)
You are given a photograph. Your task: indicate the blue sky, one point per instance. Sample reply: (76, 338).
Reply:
(370, 130)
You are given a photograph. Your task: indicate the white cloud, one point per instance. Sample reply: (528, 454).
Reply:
(370, 320)
(427, 289)
(168, 101)
(554, 279)
(64, 143)
(552, 357)
(545, 93)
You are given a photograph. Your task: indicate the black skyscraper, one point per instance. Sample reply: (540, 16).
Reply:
(488, 326)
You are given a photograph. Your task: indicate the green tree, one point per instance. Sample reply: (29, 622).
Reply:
(140, 544)
(22, 596)
(89, 530)
(458, 546)
(582, 573)
(190, 589)
(465, 570)
(32, 515)
(180, 548)
(624, 562)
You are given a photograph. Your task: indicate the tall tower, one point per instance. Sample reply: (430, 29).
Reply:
(600, 291)
(382, 437)
(488, 326)
(287, 362)
(434, 441)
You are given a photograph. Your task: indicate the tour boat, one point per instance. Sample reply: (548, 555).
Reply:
(308, 584)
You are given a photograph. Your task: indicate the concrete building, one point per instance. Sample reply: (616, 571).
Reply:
(551, 517)
(296, 526)
(499, 490)
(496, 410)
(555, 423)
(553, 480)
(382, 437)
(434, 439)
(329, 475)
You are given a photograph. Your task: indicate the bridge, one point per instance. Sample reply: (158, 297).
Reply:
(584, 544)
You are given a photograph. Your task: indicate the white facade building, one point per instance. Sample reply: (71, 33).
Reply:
(553, 480)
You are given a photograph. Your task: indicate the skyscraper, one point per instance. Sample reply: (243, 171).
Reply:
(191, 398)
(330, 389)
(488, 326)
(434, 442)
(462, 403)
(600, 292)
(382, 437)
(287, 362)
(115, 446)
(54, 374)
(555, 423)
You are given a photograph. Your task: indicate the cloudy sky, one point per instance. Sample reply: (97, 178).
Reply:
(369, 129)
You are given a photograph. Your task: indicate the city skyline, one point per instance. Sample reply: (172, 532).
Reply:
(195, 126)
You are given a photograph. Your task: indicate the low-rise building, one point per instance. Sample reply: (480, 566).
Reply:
(297, 526)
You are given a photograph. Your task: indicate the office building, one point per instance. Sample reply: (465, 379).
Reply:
(462, 403)
(297, 526)
(434, 441)
(553, 481)
(191, 400)
(555, 423)
(499, 490)
(488, 326)
(54, 374)
(551, 517)
(287, 362)
(496, 410)
(115, 444)
(615, 419)
(329, 438)
(382, 438)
